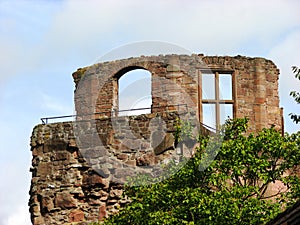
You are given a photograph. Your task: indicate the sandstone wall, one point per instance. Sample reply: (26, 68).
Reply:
(65, 186)
(68, 157)
(175, 80)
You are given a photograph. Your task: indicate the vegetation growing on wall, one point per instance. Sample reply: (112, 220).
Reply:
(234, 189)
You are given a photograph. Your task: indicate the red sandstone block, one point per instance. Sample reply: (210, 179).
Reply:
(102, 212)
(260, 100)
(76, 216)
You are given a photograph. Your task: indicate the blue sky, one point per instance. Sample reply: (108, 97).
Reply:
(43, 42)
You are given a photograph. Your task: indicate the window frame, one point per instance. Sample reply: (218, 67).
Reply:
(217, 101)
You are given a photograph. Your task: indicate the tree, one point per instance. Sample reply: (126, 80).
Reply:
(295, 95)
(232, 190)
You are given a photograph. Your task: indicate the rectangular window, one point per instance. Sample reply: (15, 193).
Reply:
(217, 98)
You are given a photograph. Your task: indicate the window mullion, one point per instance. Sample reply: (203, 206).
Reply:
(234, 94)
(200, 108)
(217, 94)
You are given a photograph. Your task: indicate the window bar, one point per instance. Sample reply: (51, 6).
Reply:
(234, 94)
(200, 108)
(217, 97)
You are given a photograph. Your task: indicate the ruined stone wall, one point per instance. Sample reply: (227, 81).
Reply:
(175, 80)
(65, 186)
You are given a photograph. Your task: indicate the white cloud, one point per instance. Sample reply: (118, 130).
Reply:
(53, 105)
(22, 24)
(11, 53)
(14, 193)
(19, 217)
(87, 30)
(285, 55)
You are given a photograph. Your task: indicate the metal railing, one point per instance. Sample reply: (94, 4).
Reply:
(114, 113)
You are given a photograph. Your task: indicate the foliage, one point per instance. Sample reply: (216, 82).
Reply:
(295, 95)
(183, 131)
(232, 190)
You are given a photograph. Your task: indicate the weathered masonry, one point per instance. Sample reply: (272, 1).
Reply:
(77, 166)
(232, 86)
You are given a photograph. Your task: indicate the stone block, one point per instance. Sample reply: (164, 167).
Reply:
(162, 143)
(76, 215)
(65, 200)
(92, 180)
(102, 212)
(173, 68)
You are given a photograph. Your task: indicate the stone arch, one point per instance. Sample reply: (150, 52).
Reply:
(107, 101)
(169, 69)
(127, 69)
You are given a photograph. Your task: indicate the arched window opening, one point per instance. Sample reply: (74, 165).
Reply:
(134, 91)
